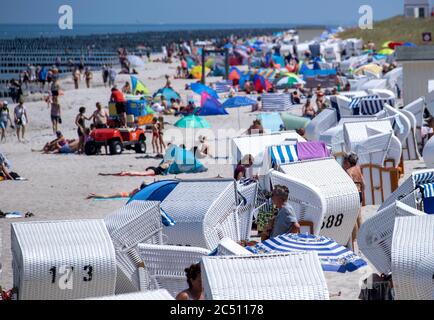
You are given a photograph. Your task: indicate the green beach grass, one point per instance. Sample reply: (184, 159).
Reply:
(394, 29)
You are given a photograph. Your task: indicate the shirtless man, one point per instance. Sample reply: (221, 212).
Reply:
(354, 171)
(100, 116)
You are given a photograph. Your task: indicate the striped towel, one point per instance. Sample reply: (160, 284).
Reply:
(223, 86)
(283, 154)
(355, 102)
(424, 178)
(275, 102)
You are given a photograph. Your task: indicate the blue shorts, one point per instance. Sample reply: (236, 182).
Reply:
(3, 124)
(65, 149)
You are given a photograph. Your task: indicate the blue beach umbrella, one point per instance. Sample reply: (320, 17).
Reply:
(333, 256)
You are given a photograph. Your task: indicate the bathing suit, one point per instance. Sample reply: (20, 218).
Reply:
(158, 170)
(81, 123)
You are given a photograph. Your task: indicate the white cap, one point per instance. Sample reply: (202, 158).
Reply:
(5, 102)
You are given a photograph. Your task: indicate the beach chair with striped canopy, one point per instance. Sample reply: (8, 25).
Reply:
(369, 105)
(413, 258)
(62, 260)
(275, 102)
(283, 154)
(321, 192)
(287, 276)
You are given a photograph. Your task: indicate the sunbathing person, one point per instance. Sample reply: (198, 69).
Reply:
(67, 146)
(150, 172)
(51, 146)
(194, 280)
(117, 195)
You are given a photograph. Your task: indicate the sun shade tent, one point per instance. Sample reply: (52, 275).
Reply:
(286, 276)
(238, 102)
(80, 252)
(413, 258)
(293, 122)
(156, 191)
(321, 192)
(183, 161)
(192, 122)
(205, 211)
(169, 94)
(200, 88)
(137, 222)
(375, 235)
(210, 106)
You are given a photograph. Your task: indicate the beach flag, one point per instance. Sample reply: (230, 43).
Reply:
(139, 86)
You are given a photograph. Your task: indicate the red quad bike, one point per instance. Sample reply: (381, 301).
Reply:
(116, 140)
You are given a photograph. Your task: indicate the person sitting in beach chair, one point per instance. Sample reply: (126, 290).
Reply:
(117, 195)
(194, 280)
(285, 221)
(256, 128)
(162, 169)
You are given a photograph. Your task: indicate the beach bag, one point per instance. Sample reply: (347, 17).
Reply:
(378, 288)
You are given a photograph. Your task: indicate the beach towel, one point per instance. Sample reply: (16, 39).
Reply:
(312, 150)
(283, 154)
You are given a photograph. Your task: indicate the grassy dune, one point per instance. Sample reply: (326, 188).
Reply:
(393, 29)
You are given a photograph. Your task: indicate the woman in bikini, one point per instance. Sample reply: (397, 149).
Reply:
(117, 195)
(149, 172)
(160, 125)
(155, 136)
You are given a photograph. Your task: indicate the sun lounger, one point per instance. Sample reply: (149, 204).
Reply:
(166, 265)
(134, 223)
(323, 193)
(413, 258)
(143, 296)
(264, 277)
(60, 260)
(375, 235)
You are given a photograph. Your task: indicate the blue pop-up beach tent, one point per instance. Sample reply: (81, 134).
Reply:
(199, 88)
(183, 161)
(210, 106)
(168, 93)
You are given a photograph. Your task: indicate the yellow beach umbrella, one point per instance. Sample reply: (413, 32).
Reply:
(386, 51)
(196, 72)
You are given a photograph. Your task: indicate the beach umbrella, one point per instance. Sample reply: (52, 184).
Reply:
(386, 51)
(200, 88)
(196, 72)
(192, 122)
(236, 102)
(333, 256)
(289, 82)
(136, 61)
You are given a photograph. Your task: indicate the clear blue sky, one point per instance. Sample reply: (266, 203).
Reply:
(197, 11)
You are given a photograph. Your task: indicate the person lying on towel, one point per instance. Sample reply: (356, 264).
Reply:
(162, 169)
(117, 195)
(285, 221)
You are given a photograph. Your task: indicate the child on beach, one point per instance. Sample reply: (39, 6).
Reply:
(285, 221)
(354, 171)
(155, 136)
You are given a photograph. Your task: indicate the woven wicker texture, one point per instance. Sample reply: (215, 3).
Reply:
(166, 264)
(245, 212)
(204, 211)
(413, 258)
(149, 295)
(228, 247)
(58, 260)
(338, 190)
(264, 277)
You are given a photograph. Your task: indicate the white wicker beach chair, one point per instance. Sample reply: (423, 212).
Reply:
(228, 247)
(248, 195)
(417, 108)
(413, 258)
(144, 296)
(322, 122)
(322, 192)
(264, 277)
(134, 223)
(410, 150)
(205, 211)
(375, 235)
(60, 260)
(166, 265)
(382, 93)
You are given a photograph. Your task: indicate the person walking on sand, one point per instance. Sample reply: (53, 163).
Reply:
(21, 120)
(55, 114)
(88, 76)
(5, 117)
(76, 77)
(112, 76)
(155, 136)
(105, 75)
(80, 122)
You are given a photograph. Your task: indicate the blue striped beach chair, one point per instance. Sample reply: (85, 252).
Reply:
(283, 154)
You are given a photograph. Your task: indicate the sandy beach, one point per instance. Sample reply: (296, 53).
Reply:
(58, 184)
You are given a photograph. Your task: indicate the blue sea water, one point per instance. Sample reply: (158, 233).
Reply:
(10, 31)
